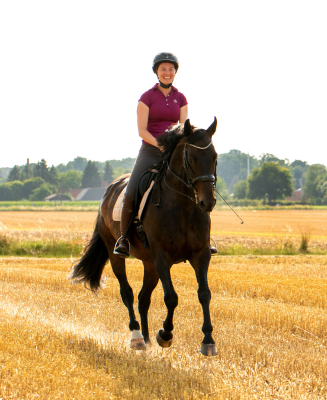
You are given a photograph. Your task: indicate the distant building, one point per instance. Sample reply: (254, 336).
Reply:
(297, 195)
(88, 194)
(105, 184)
(75, 192)
(57, 197)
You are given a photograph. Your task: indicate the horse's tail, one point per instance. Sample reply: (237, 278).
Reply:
(88, 269)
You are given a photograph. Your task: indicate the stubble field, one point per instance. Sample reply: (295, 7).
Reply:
(59, 341)
(263, 232)
(261, 222)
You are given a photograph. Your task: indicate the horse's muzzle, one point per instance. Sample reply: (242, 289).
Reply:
(207, 205)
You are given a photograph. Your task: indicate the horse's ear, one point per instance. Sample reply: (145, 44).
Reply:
(212, 128)
(187, 128)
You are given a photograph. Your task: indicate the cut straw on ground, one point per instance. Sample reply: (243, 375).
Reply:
(60, 341)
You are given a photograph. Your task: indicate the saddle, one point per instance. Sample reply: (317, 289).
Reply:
(143, 190)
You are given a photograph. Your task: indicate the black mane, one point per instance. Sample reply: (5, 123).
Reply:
(169, 141)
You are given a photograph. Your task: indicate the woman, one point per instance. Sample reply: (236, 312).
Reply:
(159, 108)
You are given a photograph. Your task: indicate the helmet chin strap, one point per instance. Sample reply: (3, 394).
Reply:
(165, 86)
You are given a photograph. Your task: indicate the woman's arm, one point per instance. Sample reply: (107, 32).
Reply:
(142, 123)
(183, 114)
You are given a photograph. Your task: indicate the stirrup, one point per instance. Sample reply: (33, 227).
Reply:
(213, 249)
(117, 252)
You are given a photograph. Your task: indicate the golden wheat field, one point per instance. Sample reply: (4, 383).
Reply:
(261, 229)
(60, 341)
(255, 222)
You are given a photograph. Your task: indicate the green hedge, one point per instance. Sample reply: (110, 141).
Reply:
(39, 248)
(47, 203)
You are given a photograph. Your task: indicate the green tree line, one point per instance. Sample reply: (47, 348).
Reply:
(270, 179)
(37, 181)
(273, 179)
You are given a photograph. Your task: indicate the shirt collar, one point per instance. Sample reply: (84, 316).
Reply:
(155, 87)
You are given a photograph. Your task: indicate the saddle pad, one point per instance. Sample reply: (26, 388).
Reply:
(144, 199)
(116, 214)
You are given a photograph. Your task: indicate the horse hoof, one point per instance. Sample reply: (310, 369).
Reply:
(208, 349)
(163, 343)
(138, 344)
(137, 341)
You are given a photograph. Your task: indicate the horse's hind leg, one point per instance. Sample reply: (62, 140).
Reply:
(126, 292)
(119, 269)
(150, 281)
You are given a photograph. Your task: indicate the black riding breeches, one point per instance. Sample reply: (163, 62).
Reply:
(147, 157)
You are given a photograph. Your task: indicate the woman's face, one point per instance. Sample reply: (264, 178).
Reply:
(166, 73)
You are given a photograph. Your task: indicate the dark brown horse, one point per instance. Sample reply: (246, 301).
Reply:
(178, 229)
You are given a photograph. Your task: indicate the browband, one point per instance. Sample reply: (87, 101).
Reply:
(201, 148)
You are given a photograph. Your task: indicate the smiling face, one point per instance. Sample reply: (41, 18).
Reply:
(166, 73)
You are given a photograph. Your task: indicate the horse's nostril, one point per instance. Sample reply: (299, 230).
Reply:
(207, 205)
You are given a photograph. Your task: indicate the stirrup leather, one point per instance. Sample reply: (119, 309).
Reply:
(118, 243)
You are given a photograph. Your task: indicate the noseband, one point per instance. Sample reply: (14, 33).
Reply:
(191, 179)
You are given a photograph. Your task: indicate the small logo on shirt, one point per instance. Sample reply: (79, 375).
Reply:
(175, 101)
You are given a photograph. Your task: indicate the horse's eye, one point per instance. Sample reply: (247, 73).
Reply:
(192, 160)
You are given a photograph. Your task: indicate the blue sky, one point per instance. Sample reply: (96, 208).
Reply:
(72, 73)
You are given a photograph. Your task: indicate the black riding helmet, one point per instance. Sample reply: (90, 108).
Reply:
(164, 57)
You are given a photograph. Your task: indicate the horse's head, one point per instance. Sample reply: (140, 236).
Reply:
(200, 163)
(191, 160)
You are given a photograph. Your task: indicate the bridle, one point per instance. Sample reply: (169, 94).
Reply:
(191, 179)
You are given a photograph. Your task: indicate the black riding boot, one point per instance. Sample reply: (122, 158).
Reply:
(122, 247)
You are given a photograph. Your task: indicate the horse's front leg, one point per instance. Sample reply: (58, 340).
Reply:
(200, 263)
(164, 336)
(150, 281)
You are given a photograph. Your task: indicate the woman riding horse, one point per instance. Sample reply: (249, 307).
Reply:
(159, 108)
(177, 226)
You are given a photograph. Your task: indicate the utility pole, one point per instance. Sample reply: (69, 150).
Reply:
(28, 170)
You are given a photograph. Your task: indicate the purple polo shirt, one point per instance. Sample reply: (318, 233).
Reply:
(163, 111)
